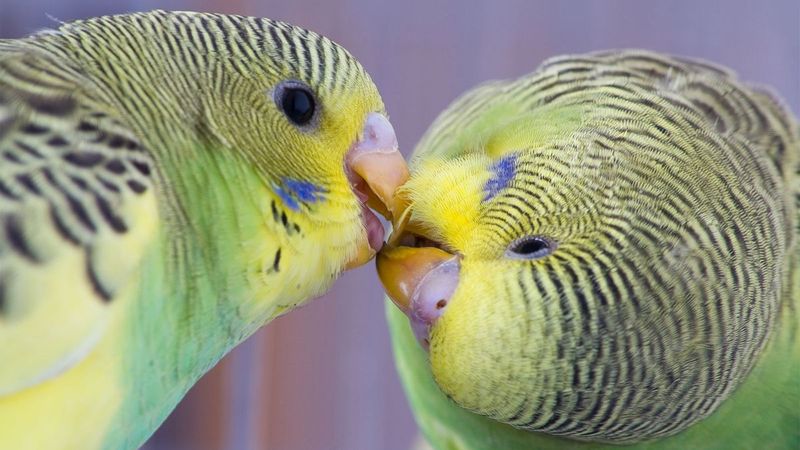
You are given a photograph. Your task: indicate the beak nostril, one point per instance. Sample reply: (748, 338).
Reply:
(441, 304)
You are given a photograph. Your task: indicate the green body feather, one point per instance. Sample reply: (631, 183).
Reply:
(580, 118)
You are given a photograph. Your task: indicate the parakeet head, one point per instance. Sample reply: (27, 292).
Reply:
(304, 113)
(580, 252)
(278, 121)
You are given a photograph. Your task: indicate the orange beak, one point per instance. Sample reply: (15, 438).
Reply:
(421, 282)
(376, 170)
(402, 270)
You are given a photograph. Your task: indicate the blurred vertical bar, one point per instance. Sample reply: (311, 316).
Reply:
(250, 364)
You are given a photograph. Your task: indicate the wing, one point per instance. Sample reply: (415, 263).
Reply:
(76, 213)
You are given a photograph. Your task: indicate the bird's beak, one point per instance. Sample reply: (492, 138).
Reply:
(421, 282)
(402, 270)
(376, 169)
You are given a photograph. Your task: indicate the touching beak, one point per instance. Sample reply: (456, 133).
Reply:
(402, 269)
(420, 281)
(376, 169)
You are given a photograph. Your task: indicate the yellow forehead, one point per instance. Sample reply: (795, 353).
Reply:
(447, 197)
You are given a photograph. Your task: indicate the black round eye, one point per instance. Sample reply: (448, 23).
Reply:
(296, 101)
(531, 247)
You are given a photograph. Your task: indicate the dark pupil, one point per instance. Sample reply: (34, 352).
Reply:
(532, 246)
(298, 105)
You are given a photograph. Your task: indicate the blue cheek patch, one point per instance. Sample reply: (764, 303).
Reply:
(306, 192)
(287, 198)
(293, 192)
(503, 171)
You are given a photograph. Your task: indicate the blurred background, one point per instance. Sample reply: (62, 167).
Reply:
(322, 377)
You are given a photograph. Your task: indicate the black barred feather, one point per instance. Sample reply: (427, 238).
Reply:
(658, 307)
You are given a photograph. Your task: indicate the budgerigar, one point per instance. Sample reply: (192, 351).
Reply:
(603, 252)
(169, 182)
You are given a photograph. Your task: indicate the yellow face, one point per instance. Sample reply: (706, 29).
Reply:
(310, 122)
(494, 340)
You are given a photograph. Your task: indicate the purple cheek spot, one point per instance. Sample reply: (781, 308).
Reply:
(287, 198)
(305, 191)
(293, 192)
(431, 298)
(503, 171)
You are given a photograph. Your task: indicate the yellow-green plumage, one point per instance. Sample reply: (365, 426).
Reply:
(667, 313)
(145, 227)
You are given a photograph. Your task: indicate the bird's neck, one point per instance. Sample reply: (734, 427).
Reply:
(231, 256)
(218, 244)
(197, 297)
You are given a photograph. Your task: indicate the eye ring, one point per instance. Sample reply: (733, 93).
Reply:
(297, 102)
(531, 247)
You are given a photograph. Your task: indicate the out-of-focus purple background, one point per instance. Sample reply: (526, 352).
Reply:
(322, 377)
